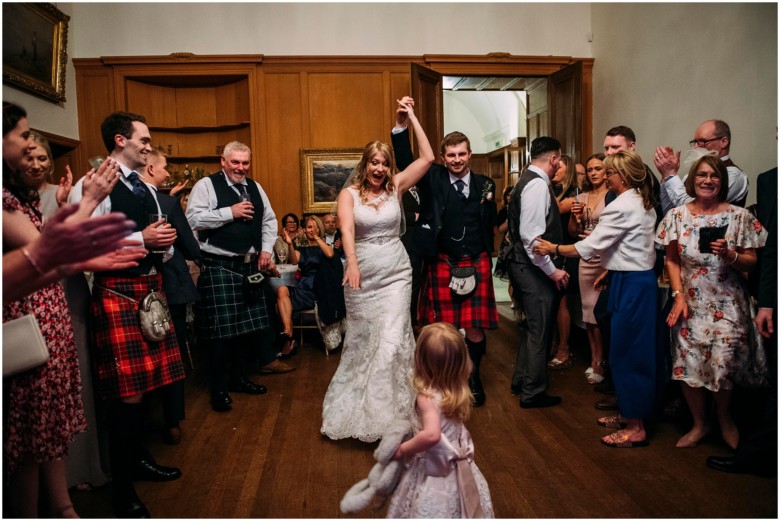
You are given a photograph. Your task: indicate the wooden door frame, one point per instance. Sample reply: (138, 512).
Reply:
(505, 64)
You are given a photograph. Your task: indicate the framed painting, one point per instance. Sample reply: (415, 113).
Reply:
(323, 173)
(35, 41)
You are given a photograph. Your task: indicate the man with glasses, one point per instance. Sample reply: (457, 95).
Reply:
(714, 135)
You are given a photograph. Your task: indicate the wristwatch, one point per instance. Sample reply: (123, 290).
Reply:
(675, 293)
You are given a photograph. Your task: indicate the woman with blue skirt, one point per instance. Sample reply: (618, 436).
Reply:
(624, 239)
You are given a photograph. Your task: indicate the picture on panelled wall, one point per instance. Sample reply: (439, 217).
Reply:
(35, 41)
(323, 173)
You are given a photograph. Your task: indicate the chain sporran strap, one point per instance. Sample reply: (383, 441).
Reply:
(154, 316)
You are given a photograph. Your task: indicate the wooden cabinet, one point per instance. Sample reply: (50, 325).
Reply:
(193, 105)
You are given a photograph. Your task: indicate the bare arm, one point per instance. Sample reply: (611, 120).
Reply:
(347, 225)
(414, 172)
(680, 306)
(430, 433)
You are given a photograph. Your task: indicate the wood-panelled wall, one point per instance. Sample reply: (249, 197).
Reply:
(295, 102)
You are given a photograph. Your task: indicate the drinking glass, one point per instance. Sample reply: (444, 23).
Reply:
(153, 218)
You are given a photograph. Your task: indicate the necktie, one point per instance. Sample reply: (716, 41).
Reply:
(139, 190)
(242, 192)
(460, 185)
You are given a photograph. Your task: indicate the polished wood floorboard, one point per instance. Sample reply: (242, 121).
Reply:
(267, 459)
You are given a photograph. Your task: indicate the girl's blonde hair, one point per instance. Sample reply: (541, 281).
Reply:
(361, 181)
(442, 363)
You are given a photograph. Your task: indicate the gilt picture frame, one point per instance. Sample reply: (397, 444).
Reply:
(323, 173)
(35, 42)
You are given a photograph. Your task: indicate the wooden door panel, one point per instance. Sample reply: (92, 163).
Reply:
(429, 103)
(564, 89)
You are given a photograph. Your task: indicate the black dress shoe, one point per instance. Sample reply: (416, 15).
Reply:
(148, 470)
(475, 384)
(540, 400)
(221, 401)
(515, 389)
(244, 385)
(130, 507)
(604, 387)
(723, 463)
(607, 404)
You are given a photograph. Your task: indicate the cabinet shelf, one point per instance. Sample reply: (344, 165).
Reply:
(193, 159)
(199, 129)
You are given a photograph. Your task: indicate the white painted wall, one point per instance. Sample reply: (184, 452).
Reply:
(662, 69)
(280, 29)
(491, 119)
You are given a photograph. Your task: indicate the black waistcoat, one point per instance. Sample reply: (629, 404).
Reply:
(137, 210)
(553, 231)
(237, 236)
(461, 232)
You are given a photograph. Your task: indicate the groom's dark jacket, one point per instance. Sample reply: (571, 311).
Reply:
(433, 189)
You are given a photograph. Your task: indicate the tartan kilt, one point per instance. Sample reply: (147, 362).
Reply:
(225, 311)
(440, 304)
(126, 362)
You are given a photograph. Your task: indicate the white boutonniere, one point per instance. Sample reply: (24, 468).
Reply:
(487, 193)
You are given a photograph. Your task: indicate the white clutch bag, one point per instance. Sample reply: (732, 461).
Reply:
(23, 345)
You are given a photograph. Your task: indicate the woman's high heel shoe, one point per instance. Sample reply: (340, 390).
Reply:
(557, 364)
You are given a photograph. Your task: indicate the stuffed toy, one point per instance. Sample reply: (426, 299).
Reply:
(385, 474)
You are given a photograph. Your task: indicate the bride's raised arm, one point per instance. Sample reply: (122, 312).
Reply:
(414, 172)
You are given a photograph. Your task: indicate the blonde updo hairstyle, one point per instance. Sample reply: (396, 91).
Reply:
(361, 182)
(629, 166)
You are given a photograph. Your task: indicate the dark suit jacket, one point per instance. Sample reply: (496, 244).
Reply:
(177, 281)
(433, 189)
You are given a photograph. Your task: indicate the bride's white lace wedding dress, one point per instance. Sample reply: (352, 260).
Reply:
(372, 385)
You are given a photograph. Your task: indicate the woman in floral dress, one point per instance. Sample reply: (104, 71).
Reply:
(711, 312)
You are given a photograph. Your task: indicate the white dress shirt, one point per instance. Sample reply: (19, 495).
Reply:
(104, 208)
(466, 179)
(673, 192)
(534, 206)
(203, 214)
(624, 236)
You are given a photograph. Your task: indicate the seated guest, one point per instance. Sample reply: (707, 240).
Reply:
(332, 234)
(308, 258)
(709, 244)
(290, 226)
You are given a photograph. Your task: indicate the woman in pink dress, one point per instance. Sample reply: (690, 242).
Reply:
(586, 212)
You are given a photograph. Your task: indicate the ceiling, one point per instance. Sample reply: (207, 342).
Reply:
(487, 83)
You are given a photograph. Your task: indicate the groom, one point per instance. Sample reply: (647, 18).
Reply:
(455, 228)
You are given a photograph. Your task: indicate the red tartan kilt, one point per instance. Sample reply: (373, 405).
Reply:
(127, 363)
(440, 304)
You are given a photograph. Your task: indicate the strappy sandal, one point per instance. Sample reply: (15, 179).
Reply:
(611, 422)
(621, 440)
(287, 340)
(557, 364)
(593, 377)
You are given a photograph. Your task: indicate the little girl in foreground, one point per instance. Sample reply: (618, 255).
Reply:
(441, 479)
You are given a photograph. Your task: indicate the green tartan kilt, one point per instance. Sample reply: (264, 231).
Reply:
(229, 307)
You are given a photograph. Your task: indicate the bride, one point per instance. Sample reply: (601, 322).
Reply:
(372, 385)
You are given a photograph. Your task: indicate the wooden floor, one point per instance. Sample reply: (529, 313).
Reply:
(267, 458)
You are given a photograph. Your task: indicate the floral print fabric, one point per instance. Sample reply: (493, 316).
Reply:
(715, 347)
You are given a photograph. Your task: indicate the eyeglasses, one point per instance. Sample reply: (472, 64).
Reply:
(291, 222)
(703, 142)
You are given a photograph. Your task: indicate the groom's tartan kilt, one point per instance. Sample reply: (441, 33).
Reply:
(440, 304)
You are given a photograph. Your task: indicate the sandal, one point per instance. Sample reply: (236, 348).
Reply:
(557, 364)
(621, 440)
(594, 378)
(588, 371)
(611, 422)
